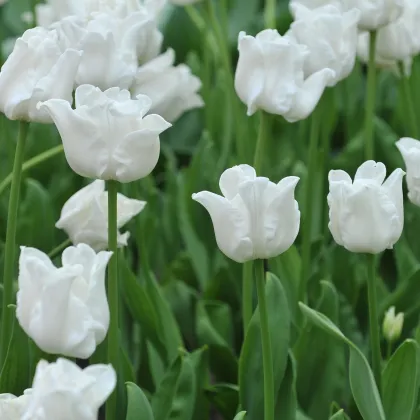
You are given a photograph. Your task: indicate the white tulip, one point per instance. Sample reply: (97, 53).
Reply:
(172, 89)
(64, 310)
(254, 218)
(84, 216)
(12, 407)
(106, 136)
(183, 2)
(63, 391)
(410, 151)
(376, 13)
(314, 4)
(270, 76)
(38, 69)
(331, 37)
(392, 325)
(366, 215)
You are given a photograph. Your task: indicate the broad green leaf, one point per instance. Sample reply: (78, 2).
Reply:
(240, 416)
(200, 361)
(286, 404)
(362, 382)
(400, 385)
(138, 406)
(225, 397)
(250, 363)
(164, 396)
(215, 329)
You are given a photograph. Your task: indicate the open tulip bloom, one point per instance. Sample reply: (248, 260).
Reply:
(108, 135)
(254, 218)
(64, 310)
(366, 215)
(270, 76)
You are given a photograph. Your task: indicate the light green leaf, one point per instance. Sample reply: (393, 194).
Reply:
(138, 406)
(339, 415)
(240, 416)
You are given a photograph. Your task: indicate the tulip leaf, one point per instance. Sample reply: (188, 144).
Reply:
(15, 373)
(339, 415)
(362, 382)
(138, 406)
(225, 397)
(250, 362)
(240, 416)
(163, 398)
(286, 404)
(215, 329)
(400, 385)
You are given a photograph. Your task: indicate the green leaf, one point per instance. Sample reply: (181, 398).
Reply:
(164, 396)
(225, 397)
(339, 415)
(250, 362)
(240, 416)
(215, 329)
(286, 404)
(138, 406)
(15, 373)
(362, 382)
(400, 385)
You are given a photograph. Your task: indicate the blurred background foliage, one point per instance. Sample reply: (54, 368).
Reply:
(198, 290)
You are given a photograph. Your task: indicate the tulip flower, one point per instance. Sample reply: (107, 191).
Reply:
(254, 218)
(84, 216)
(314, 4)
(331, 37)
(270, 76)
(63, 391)
(38, 69)
(173, 90)
(366, 215)
(12, 407)
(410, 151)
(183, 2)
(64, 310)
(106, 136)
(392, 325)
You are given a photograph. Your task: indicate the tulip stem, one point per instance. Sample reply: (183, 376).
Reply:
(59, 248)
(113, 333)
(373, 322)
(247, 289)
(370, 99)
(412, 117)
(265, 341)
(270, 14)
(307, 227)
(261, 142)
(9, 252)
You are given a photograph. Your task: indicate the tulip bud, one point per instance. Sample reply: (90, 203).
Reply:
(331, 38)
(62, 391)
(173, 90)
(84, 216)
(38, 69)
(11, 407)
(106, 136)
(254, 218)
(64, 310)
(410, 151)
(366, 215)
(270, 76)
(393, 324)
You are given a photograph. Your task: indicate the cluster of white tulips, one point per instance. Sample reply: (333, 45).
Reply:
(95, 69)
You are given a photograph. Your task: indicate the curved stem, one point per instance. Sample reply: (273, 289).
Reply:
(59, 248)
(113, 334)
(373, 322)
(370, 99)
(265, 341)
(247, 289)
(9, 253)
(36, 160)
(412, 116)
(307, 226)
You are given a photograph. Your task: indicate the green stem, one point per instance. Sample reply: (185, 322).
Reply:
(265, 341)
(9, 253)
(270, 14)
(388, 350)
(113, 334)
(261, 142)
(247, 289)
(36, 160)
(412, 115)
(373, 322)
(308, 202)
(59, 248)
(370, 99)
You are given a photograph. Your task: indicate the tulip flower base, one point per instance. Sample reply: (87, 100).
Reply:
(151, 217)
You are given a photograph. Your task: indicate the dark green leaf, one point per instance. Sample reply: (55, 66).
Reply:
(138, 407)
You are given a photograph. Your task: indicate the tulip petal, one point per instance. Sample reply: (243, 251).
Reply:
(103, 385)
(371, 170)
(231, 225)
(231, 179)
